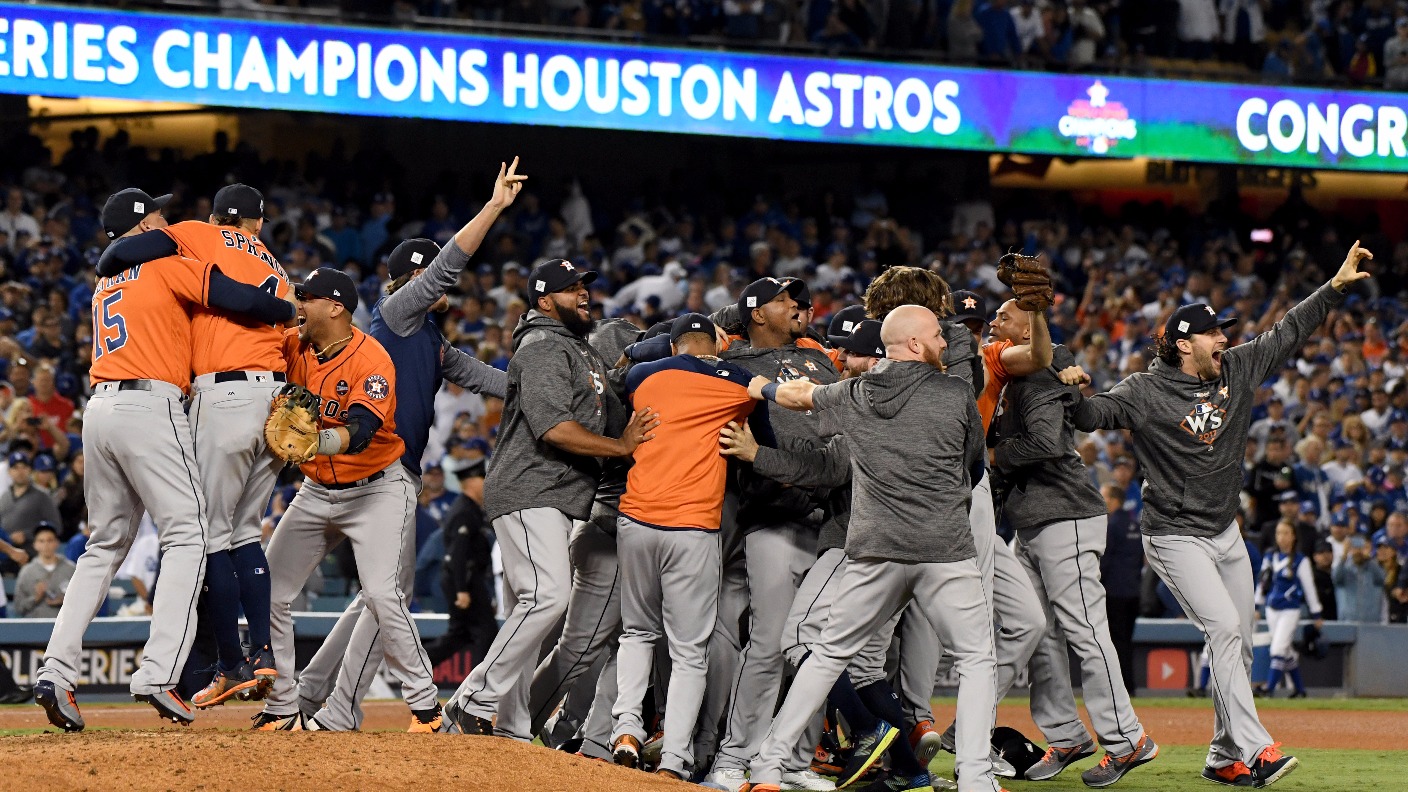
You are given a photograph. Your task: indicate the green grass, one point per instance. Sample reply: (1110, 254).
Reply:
(1177, 769)
(1180, 702)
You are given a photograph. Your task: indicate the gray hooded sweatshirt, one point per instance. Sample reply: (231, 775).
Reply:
(1190, 435)
(1039, 477)
(913, 435)
(554, 377)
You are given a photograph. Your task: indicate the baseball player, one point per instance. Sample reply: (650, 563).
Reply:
(1009, 589)
(421, 273)
(1060, 520)
(778, 524)
(668, 536)
(543, 476)
(916, 443)
(355, 489)
(237, 368)
(139, 456)
(1286, 583)
(1188, 417)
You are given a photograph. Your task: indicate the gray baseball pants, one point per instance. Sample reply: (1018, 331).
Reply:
(1211, 577)
(669, 579)
(376, 518)
(950, 595)
(726, 642)
(537, 571)
(139, 456)
(1063, 561)
(237, 470)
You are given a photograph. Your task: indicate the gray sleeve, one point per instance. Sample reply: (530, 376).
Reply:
(1043, 419)
(1268, 352)
(25, 601)
(404, 312)
(728, 318)
(1117, 409)
(827, 467)
(470, 372)
(975, 448)
(959, 354)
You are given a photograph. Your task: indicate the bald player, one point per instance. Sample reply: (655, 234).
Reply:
(916, 444)
(237, 368)
(668, 535)
(355, 488)
(140, 457)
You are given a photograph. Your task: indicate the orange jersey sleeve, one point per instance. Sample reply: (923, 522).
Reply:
(677, 480)
(361, 374)
(220, 341)
(834, 355)
(142, 324)
(997, 379)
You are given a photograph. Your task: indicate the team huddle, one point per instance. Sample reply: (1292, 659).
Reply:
(688, 516)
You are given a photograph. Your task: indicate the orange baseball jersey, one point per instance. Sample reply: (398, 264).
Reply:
(142, 324)
(807, 342)
(222, 342)
(360, 374)
(997, 379)
(677, 480)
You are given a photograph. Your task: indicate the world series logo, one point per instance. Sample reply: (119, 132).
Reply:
(1097, 124)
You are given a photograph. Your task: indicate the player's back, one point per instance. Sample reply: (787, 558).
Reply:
(677, 480)
(220, 341)
(142, 321)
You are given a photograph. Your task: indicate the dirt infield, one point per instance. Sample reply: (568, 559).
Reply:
(217, 754)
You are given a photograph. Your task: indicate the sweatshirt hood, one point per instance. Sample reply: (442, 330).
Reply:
(534, 320)
(1162, 369)
(891, 383)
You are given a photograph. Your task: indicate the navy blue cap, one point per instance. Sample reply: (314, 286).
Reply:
(19, 458)
(690, 323)
(411, 255)
(844, 322)
(331, 284)
(556, 275)
(865, 340)
(238, 200)
(126, 208)
(1191, 320)
(763, 291)
(969, 306)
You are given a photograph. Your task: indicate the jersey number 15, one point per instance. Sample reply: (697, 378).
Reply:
(108, 319)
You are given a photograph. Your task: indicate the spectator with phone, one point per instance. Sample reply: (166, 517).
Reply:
(39, 591)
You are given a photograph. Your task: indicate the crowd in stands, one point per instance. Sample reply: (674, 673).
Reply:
(1330, 431)
(1353, 41)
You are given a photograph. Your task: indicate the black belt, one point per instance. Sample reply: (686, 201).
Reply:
(351, 484)
(142, 384)
(244, 376)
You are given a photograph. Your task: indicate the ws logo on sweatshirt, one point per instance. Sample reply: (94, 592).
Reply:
(1205, 421)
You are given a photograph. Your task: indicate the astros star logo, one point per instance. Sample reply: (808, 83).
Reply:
(1097, 94)
(970, 303)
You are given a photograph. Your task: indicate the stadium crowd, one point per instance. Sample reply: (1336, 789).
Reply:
(1355, 41)
(1330, 434)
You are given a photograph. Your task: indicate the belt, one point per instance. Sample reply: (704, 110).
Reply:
(243, 376)
(349, 485)
(134, 384)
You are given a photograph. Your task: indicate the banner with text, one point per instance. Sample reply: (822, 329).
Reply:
(70, 52)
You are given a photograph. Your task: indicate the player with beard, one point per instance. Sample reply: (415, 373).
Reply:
(1188, 417)
(543, 476)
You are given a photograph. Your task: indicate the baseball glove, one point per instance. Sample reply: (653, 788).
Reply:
(1029, 281)
(292, 428)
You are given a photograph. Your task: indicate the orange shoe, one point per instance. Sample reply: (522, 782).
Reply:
(225, 687)
(626, 751)
(670, 774)
(1271, 765)
(425, 721)
(924, 739)
(750, 787)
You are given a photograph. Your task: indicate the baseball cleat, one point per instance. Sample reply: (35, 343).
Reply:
(870, 748)
(898, 783)
(457, 721)
(652, 749)
(59, 705)
(310, 723)
(260, 666)
(665, 772)
(266, 721)
(1112, 768)
(729, 779)
(1235, 774)
(924, 739)
(625, 751)
(226, 686)
(426, 721)
(760, 788)
(806, 781)
(168, 706)
(1057, 759)
(1271, 766)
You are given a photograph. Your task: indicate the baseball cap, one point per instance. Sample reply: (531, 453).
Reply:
(844, 323)
(1310, 507)
(1288, 495)
(473, 468)
(763, 291)
(238, 200)
(802, 294)
(19, 458)
(1191, 320)
(411, 255)
(690, 323)
(45, 525)
(865, 340)
(1324, 546)
(657, 329)
(969, 306)
(44, 463)
(126, 208)
(331, 284)
(555, 276)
